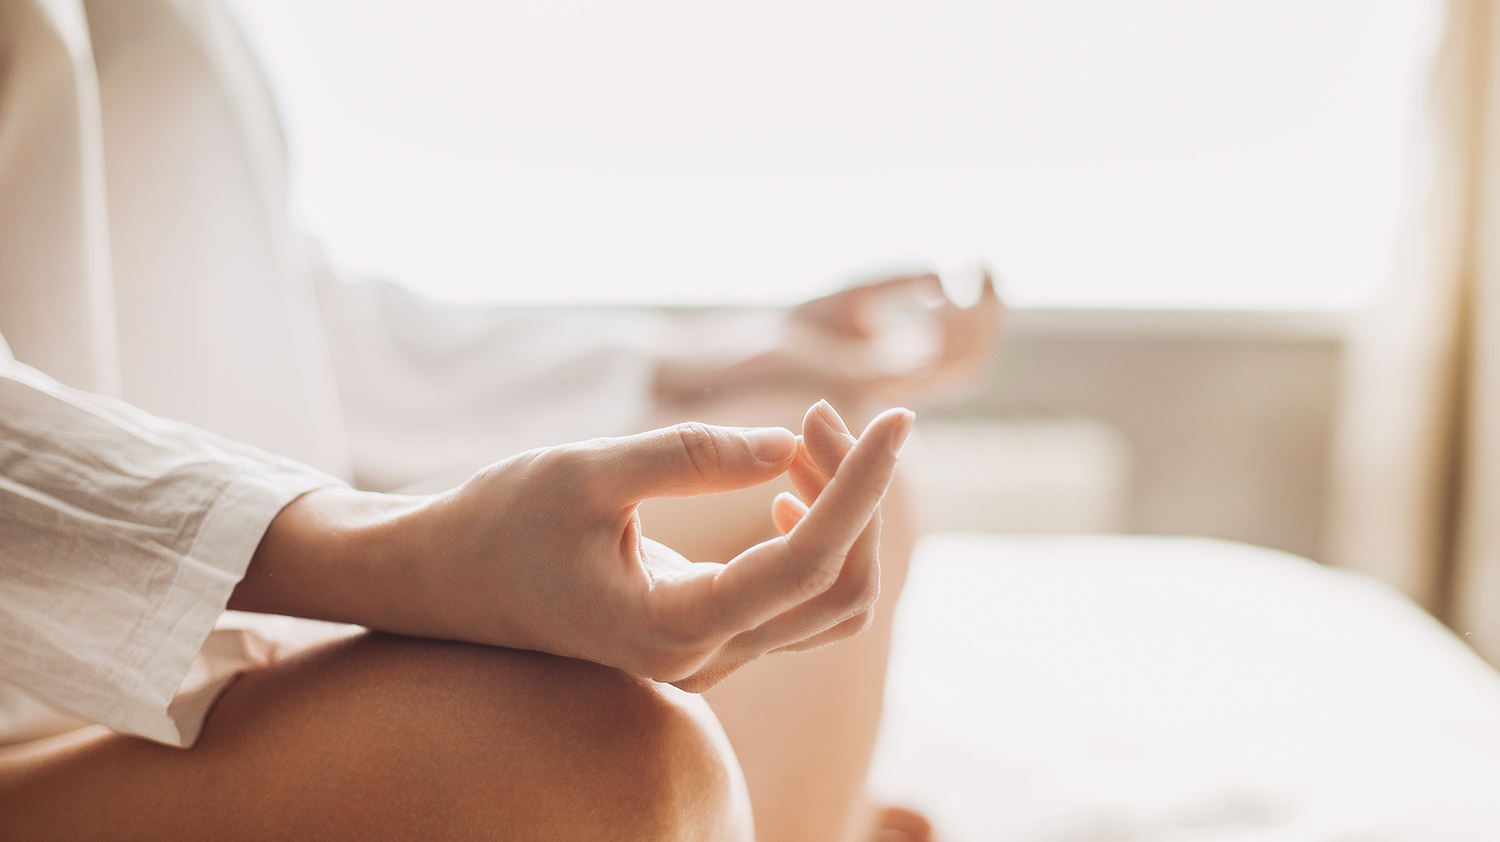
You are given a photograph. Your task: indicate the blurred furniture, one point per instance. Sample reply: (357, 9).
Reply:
(1023, 476)
(1228, 417)
(1105, 688)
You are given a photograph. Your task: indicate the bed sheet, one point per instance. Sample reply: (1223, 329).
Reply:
(1092, 688)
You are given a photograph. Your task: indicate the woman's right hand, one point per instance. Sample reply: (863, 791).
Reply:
(544, 551)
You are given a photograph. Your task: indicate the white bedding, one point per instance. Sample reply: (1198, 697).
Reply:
(1094, 688)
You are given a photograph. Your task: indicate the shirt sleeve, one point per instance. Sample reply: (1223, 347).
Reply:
(122, 536)
(432, 392)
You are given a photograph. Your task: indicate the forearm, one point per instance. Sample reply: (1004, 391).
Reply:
(341, 555)
(430, 390)
(710, 349)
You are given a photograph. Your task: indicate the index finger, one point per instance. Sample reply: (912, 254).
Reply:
(770, 578)
(824, 442)
(849, 500)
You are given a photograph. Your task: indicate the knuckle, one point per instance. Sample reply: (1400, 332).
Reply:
(819, 581)
(565, 465)
(707, 678)
(701, 447)
(847, 629)
(569, 474)
(856, 585)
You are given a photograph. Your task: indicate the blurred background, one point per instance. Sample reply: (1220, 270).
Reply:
(1185, 203)
(1249, 247)
(1166, 153)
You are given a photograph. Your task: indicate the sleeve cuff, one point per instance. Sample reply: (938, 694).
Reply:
(177, 697)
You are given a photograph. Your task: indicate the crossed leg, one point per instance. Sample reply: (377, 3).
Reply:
(802, 724)
(387, 738)
(382, 737)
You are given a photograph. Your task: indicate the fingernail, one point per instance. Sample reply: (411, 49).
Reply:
(831, 415)
(902, 430)
(771, 444)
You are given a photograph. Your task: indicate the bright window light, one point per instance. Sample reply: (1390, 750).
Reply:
(1159, 153)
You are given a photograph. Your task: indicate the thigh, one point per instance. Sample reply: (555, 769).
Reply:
(803, 724)
(380, 737)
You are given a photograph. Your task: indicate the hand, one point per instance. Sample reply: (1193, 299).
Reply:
(824, 443)
(545, 551)
(897, 336)
(894, 340)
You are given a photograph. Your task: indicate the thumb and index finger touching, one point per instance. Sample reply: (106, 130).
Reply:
(852, 477)
(842, 478)
(824, 442)
(772, 578)
(846, 479)
(691, 459)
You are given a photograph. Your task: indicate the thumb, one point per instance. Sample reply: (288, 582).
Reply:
(689, 459)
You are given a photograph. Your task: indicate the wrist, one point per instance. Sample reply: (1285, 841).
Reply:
(338, 554)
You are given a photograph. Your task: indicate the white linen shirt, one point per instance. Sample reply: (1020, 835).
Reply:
(121, 538)
(122, 534)
(146, 255)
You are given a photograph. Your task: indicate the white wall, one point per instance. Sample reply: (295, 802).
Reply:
(1227, 417)
(1158, 153)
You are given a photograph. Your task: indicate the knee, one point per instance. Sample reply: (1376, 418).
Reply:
(677, 750)
(630, 758)
(492, 743)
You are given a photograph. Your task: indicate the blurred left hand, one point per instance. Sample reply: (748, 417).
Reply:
(897, 340)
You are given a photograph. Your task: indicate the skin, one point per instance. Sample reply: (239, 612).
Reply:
(544, 551)
(804, 725)
(846, 344)
(390, 737)
(466, 734)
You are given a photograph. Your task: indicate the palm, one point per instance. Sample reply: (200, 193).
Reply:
(559, 563)
(802, 589)
(898, 337)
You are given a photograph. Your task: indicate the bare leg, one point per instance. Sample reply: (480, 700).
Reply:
(383, 737)
(803, 725)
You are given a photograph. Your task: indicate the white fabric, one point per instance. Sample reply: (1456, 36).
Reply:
(1179, 690)
(433, 392)
(123, 537)
(217, 322)
(56, 299)
(146, 254)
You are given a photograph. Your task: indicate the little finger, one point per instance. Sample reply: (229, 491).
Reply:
(849, 628)
(852, 593)
(773, 577)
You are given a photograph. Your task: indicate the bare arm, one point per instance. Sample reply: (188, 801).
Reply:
(894, 340)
